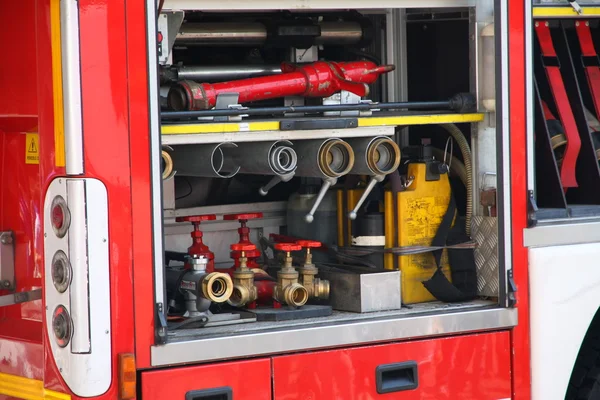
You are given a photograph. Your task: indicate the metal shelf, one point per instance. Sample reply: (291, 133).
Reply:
(566, 11)
(341, 329)
(196, 133)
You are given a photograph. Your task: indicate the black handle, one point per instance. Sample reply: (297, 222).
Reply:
(397, 377)
(223, 393)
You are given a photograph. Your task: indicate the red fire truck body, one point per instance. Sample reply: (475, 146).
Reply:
(80, 121)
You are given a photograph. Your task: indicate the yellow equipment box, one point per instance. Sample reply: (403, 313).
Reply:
(413, 220)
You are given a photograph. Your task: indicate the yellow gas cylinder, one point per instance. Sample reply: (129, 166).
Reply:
(412, 219)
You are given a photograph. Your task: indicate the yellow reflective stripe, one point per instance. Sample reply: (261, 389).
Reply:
(564, 12)
(190, 129)
(59, 130)
(219, 128)
(420, 119)
(28, 389)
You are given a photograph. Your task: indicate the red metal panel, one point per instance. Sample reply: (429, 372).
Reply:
(521, 363)
(137, 71)
(248, 380)
(462, 367)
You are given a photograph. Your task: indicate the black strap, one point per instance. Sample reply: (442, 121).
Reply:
(463, 268)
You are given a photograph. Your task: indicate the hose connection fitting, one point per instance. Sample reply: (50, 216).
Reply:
(201, 288)
(317, 288)
(244, 291)
(288, 290)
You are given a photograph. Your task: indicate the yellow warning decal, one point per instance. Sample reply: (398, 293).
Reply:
(32, 148)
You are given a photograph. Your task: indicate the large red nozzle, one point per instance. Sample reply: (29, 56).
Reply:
(319, 79)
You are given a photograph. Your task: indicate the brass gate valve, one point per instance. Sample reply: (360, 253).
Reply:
(198, 247)
(317, 288)
(244, 232)
(288, 290)
(244, 291)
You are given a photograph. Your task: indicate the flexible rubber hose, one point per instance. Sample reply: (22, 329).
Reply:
(457, 168)
(463, 144)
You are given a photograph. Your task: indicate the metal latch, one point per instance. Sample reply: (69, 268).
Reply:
(7, 261)
(532, 210)
(161, 325)
(512, 289)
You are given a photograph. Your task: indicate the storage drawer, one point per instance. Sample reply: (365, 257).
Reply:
(470, 367)
(244, 380)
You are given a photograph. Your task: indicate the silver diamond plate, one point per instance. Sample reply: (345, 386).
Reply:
(485, 233)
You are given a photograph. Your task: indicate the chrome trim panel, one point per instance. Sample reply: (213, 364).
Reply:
(155, 153)
(71, 82)
(529, 96)
(307, 5)
(562, 234)
(342, 334)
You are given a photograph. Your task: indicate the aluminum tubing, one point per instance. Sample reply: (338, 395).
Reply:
(378, 155)
(328, 158)
(262, 158)
(202, 160)
(224, 72)
(254, 33)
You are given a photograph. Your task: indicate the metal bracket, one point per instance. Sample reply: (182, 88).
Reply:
(576, 6)
(229, 101)
(532, 210)
(7, 261)
(20, 297)
(512, 289)
(160, 334)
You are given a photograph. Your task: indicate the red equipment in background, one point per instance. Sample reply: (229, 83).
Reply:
(244, 231)
(319, 79)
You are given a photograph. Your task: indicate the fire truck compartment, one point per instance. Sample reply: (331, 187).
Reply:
(334, 171)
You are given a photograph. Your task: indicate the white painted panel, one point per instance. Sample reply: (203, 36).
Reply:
(87, 375)
(564, 297)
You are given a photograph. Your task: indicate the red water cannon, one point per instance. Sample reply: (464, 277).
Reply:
(318, 79)
(198, 247)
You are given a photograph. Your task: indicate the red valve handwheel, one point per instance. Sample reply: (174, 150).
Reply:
(197, 218)
(242, 216)
(287, 247)
(311, 244)
(243, 247)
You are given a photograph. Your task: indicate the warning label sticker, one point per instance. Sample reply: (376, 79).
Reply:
(32, 148)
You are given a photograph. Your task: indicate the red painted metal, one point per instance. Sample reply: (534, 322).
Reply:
(248, 380)
(567, 169)
(521, 362)
(463, 367)
(264, 289)
(142, 242)
(244, 232)
(198, 247)
(319, 79)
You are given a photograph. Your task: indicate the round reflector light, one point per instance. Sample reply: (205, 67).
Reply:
(61, 325)
(60, 216)
(61, 271)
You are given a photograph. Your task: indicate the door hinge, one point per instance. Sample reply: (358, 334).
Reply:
(161, 325)
(532, 210)
(511, 289)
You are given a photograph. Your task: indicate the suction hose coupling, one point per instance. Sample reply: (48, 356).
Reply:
(295, 295)
(321, 289)
(217, 287)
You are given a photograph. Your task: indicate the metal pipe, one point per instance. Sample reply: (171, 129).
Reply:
(202, 160)
(261, 158)
(326, 159)
(223, 72)
(255, 33)
(380, 157)
(451, 104)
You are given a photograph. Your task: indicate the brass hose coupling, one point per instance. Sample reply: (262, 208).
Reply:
(288, 290)
(317, 288)
(244, 291)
